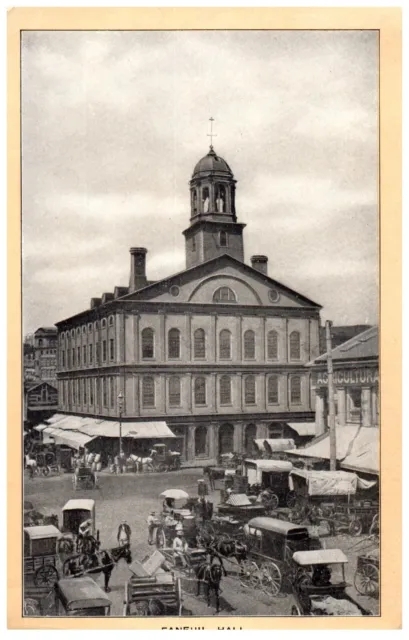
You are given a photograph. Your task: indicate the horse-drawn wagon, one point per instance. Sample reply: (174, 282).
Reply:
(163, 459)
(271, 544)
(84, 477)
(78, 527)
(272, 476)
(320, 588)
(40, 554)
(81, 597)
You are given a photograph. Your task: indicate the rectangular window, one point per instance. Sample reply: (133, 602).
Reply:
(63, 358)
(104, 350)
(73, 357)
(79, 355)
(295, 390)
(97, 353)
(111, 349)
(90, 348)
(84, 354)
(225, 390)
(148, 392)
(174, 391)
(85, 383)
(104, 392)
(112, 392)
(272, 390)
(91, 391)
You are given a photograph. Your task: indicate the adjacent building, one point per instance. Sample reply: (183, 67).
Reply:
(45, 354)
(356, 391)
(218, 351)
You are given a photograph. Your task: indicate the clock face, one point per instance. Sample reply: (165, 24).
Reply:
(273, 295)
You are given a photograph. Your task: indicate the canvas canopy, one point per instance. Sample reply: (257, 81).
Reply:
(364, 452)
(319, 556)
(325, 483)
(260, 445)
(278, 444)
(254, 469)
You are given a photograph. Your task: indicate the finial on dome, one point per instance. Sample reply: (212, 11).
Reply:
(211, 135)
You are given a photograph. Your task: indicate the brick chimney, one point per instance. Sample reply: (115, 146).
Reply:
(137, 279)
(259, 263)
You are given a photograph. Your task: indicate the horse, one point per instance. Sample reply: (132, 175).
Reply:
(231, 549)
(102, 561)
(211, 574)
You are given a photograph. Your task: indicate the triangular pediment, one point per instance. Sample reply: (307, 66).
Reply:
(199, 285)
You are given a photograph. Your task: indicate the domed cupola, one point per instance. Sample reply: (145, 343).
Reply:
(212, 189)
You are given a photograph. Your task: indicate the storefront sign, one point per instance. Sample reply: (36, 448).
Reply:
(354, 377)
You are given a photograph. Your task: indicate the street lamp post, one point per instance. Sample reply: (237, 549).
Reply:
(120, 409)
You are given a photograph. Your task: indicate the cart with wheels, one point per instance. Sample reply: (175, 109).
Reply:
(271, 544)
(273, 477)
(366, 579)
(40, 554)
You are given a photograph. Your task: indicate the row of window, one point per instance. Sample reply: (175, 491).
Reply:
(81, 391)
(225, 344)
(91, 325)
(77, 357)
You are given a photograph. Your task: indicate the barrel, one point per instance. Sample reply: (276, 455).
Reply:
(97, 458)
(99, 466)
(93, 466)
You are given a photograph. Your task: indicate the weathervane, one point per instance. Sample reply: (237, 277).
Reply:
(211, 134)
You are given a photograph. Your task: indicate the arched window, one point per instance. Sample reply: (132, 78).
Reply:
(199, 344)
(272, 345)
(295, 345)
(148, 343)
(200, 441)
(225, 344)
(40, 342)
(111, 320)
(148, 391)
(225, 390)
(223, 239)
(103, 323)
(84, 329)
(249, 344)
(226, 443)
(224, 294)
(272, 390)
(174, 343)
(200, 391)
(250, 390)
(174, 391)
(295, 390)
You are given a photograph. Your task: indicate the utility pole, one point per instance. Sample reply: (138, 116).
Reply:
(331, 401)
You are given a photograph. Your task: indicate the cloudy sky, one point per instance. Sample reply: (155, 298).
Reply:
(114, 122)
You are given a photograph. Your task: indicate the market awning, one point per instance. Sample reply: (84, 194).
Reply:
(303, 428)
(364, 453)
(41, 427)
(109, 428)
(260, 445)
(72, 439)
(320, 448)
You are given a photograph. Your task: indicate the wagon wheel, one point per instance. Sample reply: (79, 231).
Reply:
(89, 545)
(162, 467)
(45, 471)
(271, 578)
(271, 502)
(30, 607)
(46, 576)
(374, 528)
(250, 574)
(291, 499)
(160, 539)
(65, 545)
(295, 610)
(355, 528)
(366, 580)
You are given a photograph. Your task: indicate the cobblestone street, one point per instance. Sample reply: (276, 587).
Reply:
(130, 498)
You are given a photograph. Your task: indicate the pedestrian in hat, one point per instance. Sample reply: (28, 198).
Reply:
(180, 546)
(152, 525)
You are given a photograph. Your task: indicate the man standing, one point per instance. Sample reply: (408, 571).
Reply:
(152, 525)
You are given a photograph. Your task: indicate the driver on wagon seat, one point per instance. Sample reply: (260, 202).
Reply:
(85, 528)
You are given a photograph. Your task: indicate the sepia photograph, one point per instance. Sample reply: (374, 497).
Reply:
(200, 273)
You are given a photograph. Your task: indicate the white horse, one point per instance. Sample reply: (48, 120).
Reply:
(146, 463)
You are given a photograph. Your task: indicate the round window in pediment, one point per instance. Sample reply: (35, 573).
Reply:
(174, 291)
(273, 295)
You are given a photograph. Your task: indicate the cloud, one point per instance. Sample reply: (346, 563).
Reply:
(114, 122)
